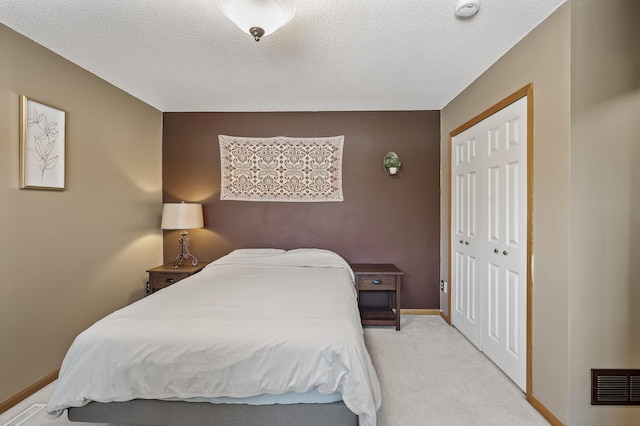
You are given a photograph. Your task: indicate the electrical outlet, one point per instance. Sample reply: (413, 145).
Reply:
(443, 286)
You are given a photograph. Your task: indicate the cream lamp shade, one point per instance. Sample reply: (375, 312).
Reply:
(182, 216)
(258, 17)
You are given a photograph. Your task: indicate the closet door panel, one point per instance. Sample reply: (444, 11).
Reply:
(465, 237)
(506, 168)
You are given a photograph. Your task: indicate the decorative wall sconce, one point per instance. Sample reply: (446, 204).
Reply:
(391, 163)
(182, 216)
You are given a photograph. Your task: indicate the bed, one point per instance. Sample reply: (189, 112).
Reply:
(258, 337)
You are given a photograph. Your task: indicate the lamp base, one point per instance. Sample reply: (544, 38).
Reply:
(184, 243)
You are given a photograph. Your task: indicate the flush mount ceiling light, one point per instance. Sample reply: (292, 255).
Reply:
(467, 8)
(258, 17)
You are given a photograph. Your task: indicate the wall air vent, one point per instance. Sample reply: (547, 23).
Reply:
(615, 387)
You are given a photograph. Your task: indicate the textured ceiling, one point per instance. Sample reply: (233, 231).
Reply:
(334, 55)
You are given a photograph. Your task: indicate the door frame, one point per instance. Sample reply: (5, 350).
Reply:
(519, 94)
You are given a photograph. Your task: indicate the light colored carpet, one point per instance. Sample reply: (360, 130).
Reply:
(429, 373)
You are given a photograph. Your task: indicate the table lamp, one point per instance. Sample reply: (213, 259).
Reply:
(182, 216)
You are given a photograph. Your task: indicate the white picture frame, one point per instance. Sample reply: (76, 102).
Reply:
(42, 146)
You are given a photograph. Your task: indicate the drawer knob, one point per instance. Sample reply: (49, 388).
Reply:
(376, 282)
(170, 280)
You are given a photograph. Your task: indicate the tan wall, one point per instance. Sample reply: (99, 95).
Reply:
(541, 58)
(68, 258)
(604, 322)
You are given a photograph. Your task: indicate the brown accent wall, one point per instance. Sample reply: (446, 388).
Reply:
(382, 219)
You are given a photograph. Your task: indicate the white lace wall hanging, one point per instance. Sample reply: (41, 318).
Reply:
(281, 169)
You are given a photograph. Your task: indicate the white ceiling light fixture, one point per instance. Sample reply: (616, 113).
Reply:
(467, 8)
(258, 17)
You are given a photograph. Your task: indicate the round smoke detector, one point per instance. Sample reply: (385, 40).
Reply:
(467, 8)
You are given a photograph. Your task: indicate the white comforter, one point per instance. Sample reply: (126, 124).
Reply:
(253, 322)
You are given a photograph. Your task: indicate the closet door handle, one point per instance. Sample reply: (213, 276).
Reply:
(505, 252)
(466, 243)
(461, 241)
(496, 251)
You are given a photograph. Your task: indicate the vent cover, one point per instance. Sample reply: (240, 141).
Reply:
(615, 387)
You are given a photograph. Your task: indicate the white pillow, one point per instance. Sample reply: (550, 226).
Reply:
(310, 250)
(257, 252)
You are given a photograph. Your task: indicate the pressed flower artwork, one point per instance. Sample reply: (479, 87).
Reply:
(42, 146)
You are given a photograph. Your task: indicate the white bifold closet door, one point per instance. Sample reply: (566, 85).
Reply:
(489, 237)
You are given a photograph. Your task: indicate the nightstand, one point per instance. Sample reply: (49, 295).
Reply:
(379, 277)
(165, 275)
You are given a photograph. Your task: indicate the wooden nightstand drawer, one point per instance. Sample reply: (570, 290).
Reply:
(376, 282)
(166, 279)
(165, 275)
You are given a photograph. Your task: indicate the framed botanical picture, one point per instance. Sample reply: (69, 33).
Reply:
(42, 146)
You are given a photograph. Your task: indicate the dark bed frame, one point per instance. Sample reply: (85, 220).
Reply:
(175, 413)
